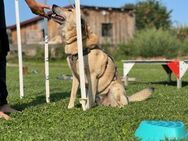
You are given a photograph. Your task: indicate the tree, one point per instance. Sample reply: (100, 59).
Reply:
(151, 13)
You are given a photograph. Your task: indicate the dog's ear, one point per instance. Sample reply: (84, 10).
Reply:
(91, 38)
(84, 27)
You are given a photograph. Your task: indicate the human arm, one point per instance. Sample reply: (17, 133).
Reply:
(37, 8)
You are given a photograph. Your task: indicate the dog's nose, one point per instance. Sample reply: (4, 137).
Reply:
(54, 7)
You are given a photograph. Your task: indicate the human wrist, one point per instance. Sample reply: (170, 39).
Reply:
(30, 3)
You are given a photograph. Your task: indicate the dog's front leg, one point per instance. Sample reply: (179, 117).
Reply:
(93, 81)
(75, 85)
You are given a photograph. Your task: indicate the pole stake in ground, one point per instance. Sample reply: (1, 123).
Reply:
(19, 49)
(84, 99)
(46, 59)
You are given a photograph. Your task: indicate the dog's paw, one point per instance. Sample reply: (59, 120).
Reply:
(70, 106)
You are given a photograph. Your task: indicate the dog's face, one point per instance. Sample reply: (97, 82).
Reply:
(66, 17)
(63, 15)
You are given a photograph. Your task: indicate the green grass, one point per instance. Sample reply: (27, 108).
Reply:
(39, 121)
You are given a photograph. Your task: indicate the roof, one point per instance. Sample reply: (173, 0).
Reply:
(106, 8)
(38, 18)
(35, 19)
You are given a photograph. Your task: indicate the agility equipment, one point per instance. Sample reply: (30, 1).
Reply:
(177, 67)
(19, 49)
(84, 98)
(46, 52)
(46, 58)
(151, 130)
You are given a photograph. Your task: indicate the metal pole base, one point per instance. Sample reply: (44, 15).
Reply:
(47, 99)
(179, 83)
(84, 103)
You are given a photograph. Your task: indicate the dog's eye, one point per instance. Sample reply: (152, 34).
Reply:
(70, 10)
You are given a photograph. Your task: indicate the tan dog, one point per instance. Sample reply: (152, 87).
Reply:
(102, 81)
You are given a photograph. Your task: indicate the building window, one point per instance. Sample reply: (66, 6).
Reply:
(106, 29)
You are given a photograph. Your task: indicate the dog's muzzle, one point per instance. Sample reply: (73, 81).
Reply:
(55, 16)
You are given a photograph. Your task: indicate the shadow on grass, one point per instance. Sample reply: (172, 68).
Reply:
(41, 99)
(172, 83)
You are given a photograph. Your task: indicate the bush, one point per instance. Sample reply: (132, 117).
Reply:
(184, 50)
(181, 32)
(36, 52)
(123, 51)
(152, 43)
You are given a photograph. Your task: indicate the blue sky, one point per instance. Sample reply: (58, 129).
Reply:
(179, 7)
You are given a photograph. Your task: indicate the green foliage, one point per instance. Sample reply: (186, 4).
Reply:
(184, 50)
(151, 13)
(152, 43)
(181, 32)
(39, 121)
(56, 51)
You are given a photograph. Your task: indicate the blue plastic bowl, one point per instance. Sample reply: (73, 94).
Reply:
(161, 130)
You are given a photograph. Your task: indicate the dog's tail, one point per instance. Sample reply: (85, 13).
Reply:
(141, 95)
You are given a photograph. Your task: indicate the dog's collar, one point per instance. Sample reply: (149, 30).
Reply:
(86, 51)
(74, 57)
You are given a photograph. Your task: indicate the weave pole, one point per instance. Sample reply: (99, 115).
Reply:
(19, 48)
(46, 58)
(83, 99)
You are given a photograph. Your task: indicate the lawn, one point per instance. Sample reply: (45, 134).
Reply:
(39, 121)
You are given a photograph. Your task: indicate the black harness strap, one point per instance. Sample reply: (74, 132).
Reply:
(86, 51)
(74, 57)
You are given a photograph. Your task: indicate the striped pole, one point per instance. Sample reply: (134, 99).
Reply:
(46, 59)
(83, 99)
(19, 49)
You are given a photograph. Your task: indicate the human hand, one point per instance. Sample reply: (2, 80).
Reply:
(37, 8)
